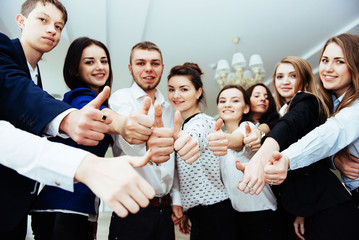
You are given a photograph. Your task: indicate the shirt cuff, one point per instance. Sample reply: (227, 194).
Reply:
(53, 128)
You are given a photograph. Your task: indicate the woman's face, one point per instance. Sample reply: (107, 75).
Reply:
(259, 100)
(231, 105)
(94, 68)
(334, 71)
(183, 96)
(285, 80)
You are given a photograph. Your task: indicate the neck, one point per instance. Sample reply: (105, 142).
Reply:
(152, 93)
(231, 126)
(256, 117)
(190, 112)
(32, 56)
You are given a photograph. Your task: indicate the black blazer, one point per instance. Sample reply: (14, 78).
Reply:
(313, 188)
(27, 107)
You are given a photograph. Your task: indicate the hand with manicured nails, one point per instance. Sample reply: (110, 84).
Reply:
(184, 144)
(116, 182)
(161, 140)
(217, 140)
(87, 126)
(252, 140)
(276, 170)
(138, 126)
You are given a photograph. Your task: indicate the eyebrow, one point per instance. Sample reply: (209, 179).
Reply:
(47, 15)
(92, 58)
(152, 60)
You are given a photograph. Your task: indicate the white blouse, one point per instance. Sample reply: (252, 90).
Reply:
(200, 182)
(231, 176)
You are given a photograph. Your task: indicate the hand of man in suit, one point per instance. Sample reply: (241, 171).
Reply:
(88, 125)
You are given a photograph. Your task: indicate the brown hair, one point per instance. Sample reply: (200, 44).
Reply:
(194, 73)
(29, 5)
(146, 45)
(305, 82)
(271, 106)
(349, 43)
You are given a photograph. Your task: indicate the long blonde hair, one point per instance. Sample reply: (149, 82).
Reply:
(305, 82)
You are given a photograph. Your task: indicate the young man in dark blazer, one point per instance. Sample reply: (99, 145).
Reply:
(28, 107)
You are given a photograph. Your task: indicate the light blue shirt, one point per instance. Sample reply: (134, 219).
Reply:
(336, 133)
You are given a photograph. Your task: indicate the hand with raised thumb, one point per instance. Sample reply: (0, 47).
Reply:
(217, 140)
(88, 125)
(276, 169)
(137, 126)
(185, 145)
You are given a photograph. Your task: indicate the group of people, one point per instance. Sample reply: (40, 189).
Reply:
(253, 174)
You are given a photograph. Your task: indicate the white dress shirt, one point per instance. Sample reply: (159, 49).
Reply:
(161, 177)
(37, 158)
(231, 176)
(336, 133)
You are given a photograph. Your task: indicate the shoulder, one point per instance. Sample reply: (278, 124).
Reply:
(79, 97)
(303, 96)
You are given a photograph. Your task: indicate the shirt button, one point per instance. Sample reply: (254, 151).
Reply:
(57, 183)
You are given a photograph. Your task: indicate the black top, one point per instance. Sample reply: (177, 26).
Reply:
(314, 188)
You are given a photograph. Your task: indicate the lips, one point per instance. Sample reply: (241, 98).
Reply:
(49, 39)
(329, 77)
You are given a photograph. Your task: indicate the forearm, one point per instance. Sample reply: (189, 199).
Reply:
(118, 120)
(39, 159)
(235, 140)
(265, 152)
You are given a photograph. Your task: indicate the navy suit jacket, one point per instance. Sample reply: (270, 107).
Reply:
(28, 107)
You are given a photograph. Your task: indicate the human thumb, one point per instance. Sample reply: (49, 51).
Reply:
(101, 97)
(218, 125)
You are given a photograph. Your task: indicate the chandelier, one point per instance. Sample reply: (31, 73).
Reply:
(241, 75)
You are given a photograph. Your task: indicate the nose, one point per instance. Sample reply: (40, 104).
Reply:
(148, 67)
(329, 67)
(51, 28)
(285, 80)
(99, 65)
(176, 94)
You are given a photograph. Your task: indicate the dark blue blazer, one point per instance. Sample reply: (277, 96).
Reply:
(27, 107)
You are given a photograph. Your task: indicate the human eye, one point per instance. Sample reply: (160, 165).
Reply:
(155, 64)
(184, 89)
(324, 60)
(89, 62)
(340, 61)
(171, 90)
(221, 101)
(58, 27)
(279, 77)
(104, 61)
(140, 63)
(293, 75)
(42, 19)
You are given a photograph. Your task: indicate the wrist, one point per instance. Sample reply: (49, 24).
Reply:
(260, 132)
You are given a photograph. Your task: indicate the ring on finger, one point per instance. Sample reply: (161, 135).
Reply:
(103, 117)
(249, 145)
(271, 182)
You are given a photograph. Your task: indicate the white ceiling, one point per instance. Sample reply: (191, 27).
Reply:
(199, 31)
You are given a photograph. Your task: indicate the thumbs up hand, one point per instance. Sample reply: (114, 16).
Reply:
(137, 127)
(184, 144)
(253, 138)
(276, 169)
(217, 140)
(161, 140)
(88, 125)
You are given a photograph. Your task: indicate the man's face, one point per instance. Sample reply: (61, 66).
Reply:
(41, 29)
(146, 68)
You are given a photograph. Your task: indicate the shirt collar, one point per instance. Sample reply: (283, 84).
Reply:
(337, 101)
(139, 94)
(33, 73)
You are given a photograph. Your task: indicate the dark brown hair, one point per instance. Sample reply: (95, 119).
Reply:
(73, 59)
(193, 71)
(271, 106)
